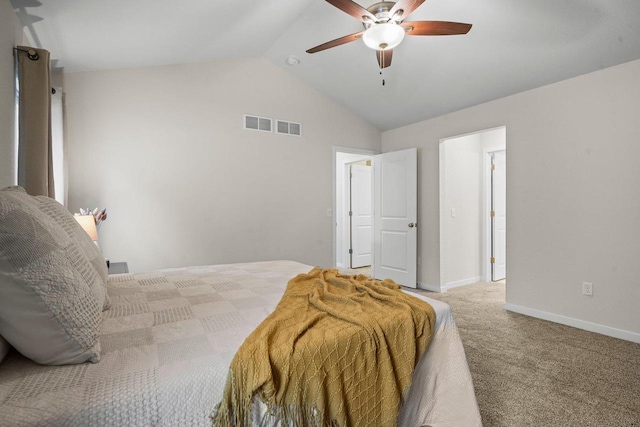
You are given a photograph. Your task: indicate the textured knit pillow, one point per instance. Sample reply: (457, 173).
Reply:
(49, 310)
(65, 219)
(4, 348)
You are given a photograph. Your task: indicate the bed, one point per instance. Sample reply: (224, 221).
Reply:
(165, 340)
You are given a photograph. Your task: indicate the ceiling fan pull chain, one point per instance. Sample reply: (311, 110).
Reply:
(381, 68)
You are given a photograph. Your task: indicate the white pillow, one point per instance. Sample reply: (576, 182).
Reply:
(4, 348)
(65, 219)
(50, 311)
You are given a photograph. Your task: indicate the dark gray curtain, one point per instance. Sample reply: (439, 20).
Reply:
(35, 165)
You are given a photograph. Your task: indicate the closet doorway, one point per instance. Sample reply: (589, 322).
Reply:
(360, 215)
(345, 231)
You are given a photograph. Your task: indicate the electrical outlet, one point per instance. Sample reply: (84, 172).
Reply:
(329, 212)
(587, 289)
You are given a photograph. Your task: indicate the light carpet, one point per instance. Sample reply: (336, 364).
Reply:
(531, 372)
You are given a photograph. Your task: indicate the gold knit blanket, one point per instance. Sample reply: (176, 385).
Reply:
(338, 350)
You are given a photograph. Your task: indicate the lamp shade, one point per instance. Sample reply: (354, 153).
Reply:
(88, 223)
(383, 36)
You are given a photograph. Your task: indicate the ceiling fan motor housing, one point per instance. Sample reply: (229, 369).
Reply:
(381, 12)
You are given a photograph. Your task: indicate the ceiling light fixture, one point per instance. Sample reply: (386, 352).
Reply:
(383, 36)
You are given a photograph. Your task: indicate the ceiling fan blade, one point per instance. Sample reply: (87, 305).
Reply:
(353, 9)
(407, 6)
(384, 57)
(337, 42)
(435, 28)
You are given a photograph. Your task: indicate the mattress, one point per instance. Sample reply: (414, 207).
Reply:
(167, 343)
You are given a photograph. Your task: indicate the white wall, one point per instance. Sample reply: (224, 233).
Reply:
(572, 195)
(461, 190)
(10, 36)
(163, 149)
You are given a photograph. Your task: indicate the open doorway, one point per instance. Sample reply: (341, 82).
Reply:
(394, 217)
(469, 241)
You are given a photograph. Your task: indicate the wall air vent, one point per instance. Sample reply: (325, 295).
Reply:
(263, 124)
(288, 128)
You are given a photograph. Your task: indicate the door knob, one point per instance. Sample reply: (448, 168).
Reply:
(411, 225)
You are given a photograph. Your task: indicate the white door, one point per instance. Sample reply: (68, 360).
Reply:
(395, 233)
(499, 216)
(360, 215)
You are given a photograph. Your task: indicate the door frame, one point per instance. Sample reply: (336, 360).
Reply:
(486, 210)
(334, 151)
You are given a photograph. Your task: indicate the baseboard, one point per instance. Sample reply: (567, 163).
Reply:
(450, 285)
(462, 282)
(430, 288)
(576, 323)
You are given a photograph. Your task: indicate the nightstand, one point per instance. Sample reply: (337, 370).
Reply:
(118, 268)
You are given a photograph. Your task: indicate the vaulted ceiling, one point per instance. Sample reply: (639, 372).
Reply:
(513, 45)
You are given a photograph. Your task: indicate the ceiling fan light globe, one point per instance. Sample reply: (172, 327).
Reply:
(383, 36)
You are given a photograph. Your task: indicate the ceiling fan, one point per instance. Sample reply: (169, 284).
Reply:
(385, 27)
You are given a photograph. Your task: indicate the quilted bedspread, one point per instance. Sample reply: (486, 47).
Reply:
(167, 344)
